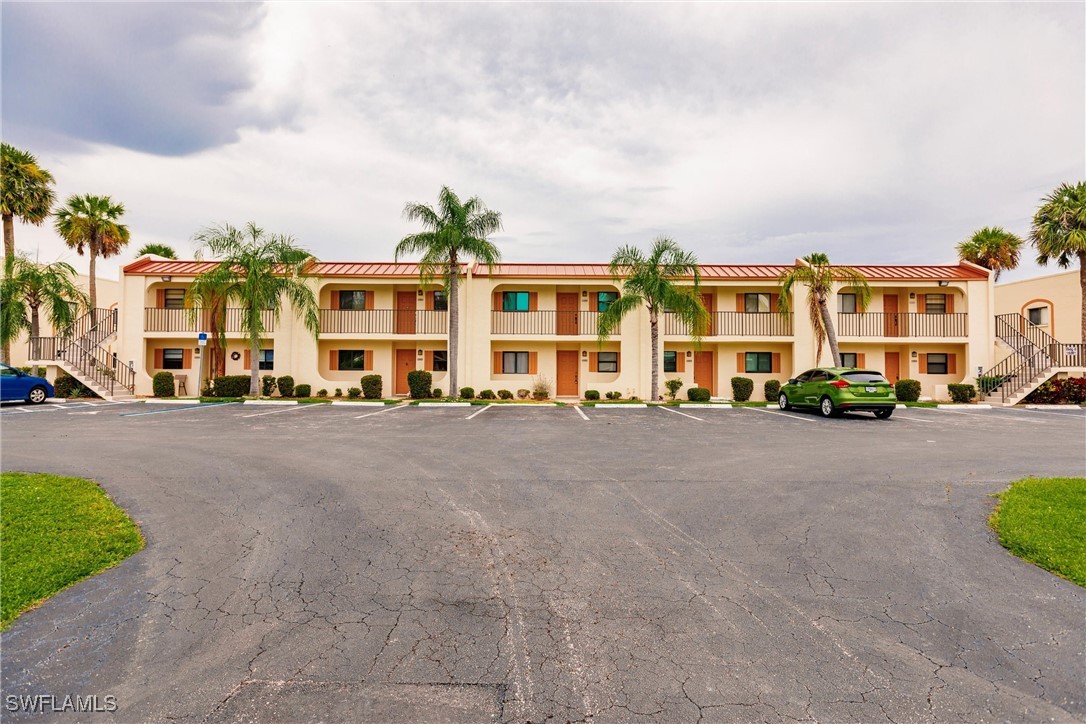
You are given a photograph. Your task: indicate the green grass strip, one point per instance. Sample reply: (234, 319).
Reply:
(54, 532)
(1043, 520)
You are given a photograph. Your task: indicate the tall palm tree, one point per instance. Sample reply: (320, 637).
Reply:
(651, 281)
(29, 289)
(164, 250)
(455, 232)
(91, 223)
(993, 247)
(256, 270)
(820, 277)
(26, 191)
(1059, 232)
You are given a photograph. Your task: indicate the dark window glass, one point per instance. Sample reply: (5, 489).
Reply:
(756, 303)
(267, 359)
(441, 361)
(759, 361)
(806, 376)
(1037, 315)
(514, 301)
(670, 361)
(863, 376)
(8, 372)
(352, 299)
(846, 303)
(937, 364)
(818, 376)
(935, 304)
(514, 363)
(848, 359)
(173, 359)
(441, 302)
(608, 362)
(352, 359)
(173, 299)
(604, 300)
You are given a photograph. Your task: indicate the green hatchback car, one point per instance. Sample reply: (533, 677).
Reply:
(834, 390)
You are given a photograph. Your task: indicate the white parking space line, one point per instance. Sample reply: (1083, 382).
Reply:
(676, 412)
(914, 419)
(381, 412)
(177, 409)
(296, 408)
(1069, 413)
(580, 412)
(795, 417)
(480, 411)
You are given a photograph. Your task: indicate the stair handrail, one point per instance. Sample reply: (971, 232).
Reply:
(100, 366)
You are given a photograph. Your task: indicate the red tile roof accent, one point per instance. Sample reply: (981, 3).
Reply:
(152, 267)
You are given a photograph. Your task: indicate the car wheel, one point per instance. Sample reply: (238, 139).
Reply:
(826, 407)
(883, 414)
(36, 396)
(783, 402)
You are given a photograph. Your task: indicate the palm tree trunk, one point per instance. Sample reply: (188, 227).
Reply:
(35, 327)
(831, 332)
(654, 330)
(454, 323)
(254, 367)
(9, 235)
(1082, 286)
(92, 287)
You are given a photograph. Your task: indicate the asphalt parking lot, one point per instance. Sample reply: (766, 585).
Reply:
(517, 564)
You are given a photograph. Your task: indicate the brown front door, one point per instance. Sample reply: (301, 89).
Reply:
(568, 384)
(703, 371)
(405, 312)
(405, 362)
(567, 314)
(707, 302)
(893, 367)
(891, 322)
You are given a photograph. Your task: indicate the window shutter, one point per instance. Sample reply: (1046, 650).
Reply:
(921, 303)
(533, 362)
(950, 303)
(618, 362)
(370, 298)
(952, 364)
(498, 304)
(861, 359)
(740, 362)
(497, 359)
(680, 361)
(248, 359)
(740, 303)
(333, 359)
(923, 364)
(334, 302)
(777, 362)
(428, 357)
(533, 302)
(593, 361)
(367, 360)
(158, 359)
(773, 299)
(429, 303)
(186, 360)
(160, 299)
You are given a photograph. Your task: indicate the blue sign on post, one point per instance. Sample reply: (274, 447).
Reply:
(201, 339)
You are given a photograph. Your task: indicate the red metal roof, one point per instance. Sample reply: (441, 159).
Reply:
(151, 267)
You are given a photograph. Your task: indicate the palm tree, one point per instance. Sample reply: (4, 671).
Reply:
(819, 277)
(26, 191)
(651, 281)
(256, 270)
(91, 223)
(31, 287)
(163, 250)
(456, 231)
(993, 247)
(1059, 232)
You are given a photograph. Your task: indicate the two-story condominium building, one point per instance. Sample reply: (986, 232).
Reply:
(523, 322)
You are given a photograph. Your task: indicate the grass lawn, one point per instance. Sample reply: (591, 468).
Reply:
(55, 531)
(1043, 520)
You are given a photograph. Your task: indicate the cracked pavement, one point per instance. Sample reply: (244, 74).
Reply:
(528, 565)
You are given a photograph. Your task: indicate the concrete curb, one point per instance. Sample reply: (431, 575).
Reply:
(446, 404)
(361, 403)
(634, 405)
(703, 406)
(270, 402)
(960, 407)
(153, 401)
(1053, 407)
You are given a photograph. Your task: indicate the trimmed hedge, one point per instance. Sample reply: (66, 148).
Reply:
(523, 394)
(354, 393)
(613, 395)
(592, 394)
(487, 395)
(322, 392)
(772, 389)
(742, 388)
(303, 390)
(505, 394)
(162, 384)
(419, 382)
(962, 393)
(698, 394)
(267, 385)
(467, 393)
(372, 387)
(985, 385)
(285, 385)
(231, 386)
(435, 393)
(907, 390)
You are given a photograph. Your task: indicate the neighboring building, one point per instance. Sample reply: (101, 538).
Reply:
(1052, 302)
(521, 322)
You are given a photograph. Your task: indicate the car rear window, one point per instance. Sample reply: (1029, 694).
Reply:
(863, 376)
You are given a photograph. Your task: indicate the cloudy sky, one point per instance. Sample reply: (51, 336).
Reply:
(748, 132)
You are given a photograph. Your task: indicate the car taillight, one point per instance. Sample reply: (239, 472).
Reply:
(840, 384)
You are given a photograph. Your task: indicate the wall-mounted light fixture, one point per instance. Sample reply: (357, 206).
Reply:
(419, 353)
(912, 295)
(943, 282)
(914, 354)
(584, 354)
(420, 292)
(689, 353)
(584, 294)
(167, 278)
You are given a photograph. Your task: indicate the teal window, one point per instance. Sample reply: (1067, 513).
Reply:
(759, 362)
(514, 301)
(604, 300)
(670, 361)
(352, 359)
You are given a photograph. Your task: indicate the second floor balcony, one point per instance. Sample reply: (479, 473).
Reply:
(156, 319)
(548, 322)
(734, 324)
(384, 321)
(902, 324)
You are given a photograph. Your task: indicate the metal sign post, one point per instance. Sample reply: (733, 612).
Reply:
(201, 340)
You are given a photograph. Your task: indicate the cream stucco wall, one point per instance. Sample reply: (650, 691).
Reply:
(1061, 293)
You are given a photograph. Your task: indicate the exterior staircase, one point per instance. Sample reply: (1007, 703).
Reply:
(1036, 357)
(81, 352)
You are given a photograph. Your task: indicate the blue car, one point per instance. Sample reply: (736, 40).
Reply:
(18, 385)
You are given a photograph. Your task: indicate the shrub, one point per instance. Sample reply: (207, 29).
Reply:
(162, 384)
(541, 388)
(418, 382)
(505, 394)
(467, 393)
(436, 392)
(285, 385)
(986, 384)
(1066, 391)
(524, 394)
(487, 395)
(673, 387)
(322, 392)
(372, 387)
(231, 385)
(772, 389)
(66, 385)
(742, 388)
(907, 390)
(303, 390)
(698, 394)
(267, 385)
(354, 393)
(339, 392)
(592, 394)
(962, 393)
